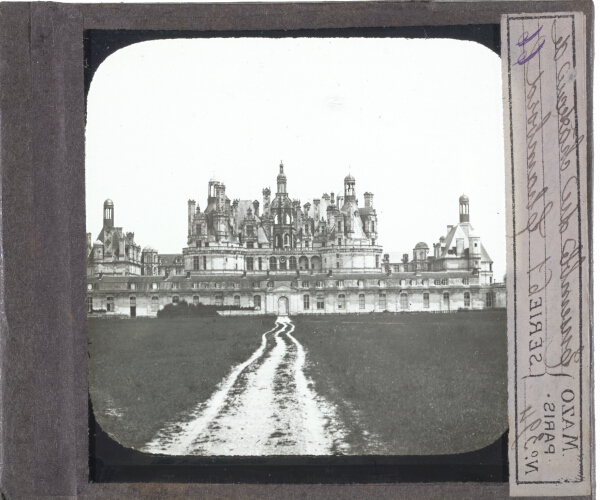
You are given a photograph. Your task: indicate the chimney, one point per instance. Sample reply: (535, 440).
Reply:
(256, 207)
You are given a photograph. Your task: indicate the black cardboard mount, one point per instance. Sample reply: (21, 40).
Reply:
(44, 441)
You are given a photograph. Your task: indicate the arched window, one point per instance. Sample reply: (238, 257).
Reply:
(403, 301)
(465, 281)
(425, 300)
(273, 263)
(236, 300)
(257, 302)
(219, 300)
(292, 263)
(341, 301)
(306, 302)
(286, 240)
(467, 299)
(303, 263)
(278, 243)
(282, 263)
(361, 301)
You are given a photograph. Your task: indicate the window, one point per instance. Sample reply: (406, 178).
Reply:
(273, 264)
(403, 301)
(90, 304)
(175, 299)
(282, 263)
(154, 304)
(132, 286)
(339, 244)
(249, 244)
(196, 263)
(249, 231)
(306, 302)
(249, 263)
(425, 300)
(339, 226)
(257, 302)
(255, 284)
(305, 284)
(396, 268)
(90, 286)
(260, 263)
(198, 228)
(292, 262)
(465, 281)
(320, 302)
(195, 300)
(295, 284)
(361, 301)
(110, 306)
(341, 301)
(373, 243)
(218, 284)
(154, 286)
(360, 283)
(269, 285)
(132, 301)
(382, 301)
(489, 299)
(218, 300)
(437, 282)
(376, 258)
(444, 282)
(236, 300)
(319, 284)
(467, 299)
(380, 283)
(204, 262)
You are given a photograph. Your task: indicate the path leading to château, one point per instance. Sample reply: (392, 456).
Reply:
(265, 406)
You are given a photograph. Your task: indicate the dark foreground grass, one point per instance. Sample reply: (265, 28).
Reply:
(147, 372)
(422, 383)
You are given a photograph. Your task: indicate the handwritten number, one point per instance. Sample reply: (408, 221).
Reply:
(524, 38)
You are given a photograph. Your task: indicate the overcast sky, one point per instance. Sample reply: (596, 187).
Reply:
(417, 122)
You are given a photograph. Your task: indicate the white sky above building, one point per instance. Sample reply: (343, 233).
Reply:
(417, 122)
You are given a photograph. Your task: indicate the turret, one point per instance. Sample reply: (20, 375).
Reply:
(349, 194)
(109, 214)
(281, 181)
(463, 209)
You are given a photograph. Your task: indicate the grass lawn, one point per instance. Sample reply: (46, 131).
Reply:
(417, 383)
(423, 383)
(146, 372)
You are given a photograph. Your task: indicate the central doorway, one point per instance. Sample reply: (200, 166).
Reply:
(283, 306)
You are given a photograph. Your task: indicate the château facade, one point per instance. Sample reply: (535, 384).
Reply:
(281, 257)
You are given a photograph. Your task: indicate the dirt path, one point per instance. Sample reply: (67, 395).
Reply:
(265, 406)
